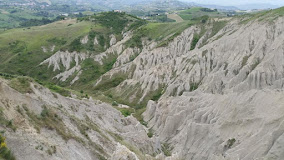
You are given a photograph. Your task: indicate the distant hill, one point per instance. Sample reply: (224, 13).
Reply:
(257, 6)
(215, 6)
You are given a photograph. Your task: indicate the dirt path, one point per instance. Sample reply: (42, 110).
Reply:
(175, 17)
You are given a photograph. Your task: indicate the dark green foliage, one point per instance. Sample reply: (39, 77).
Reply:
(36, 22)
(208, 10)
(150, 133)
(76, 45)
(114, 103)
(102, 40)
(166, 148)
(137, 24)
(92, 34)
(18, 46)
(44, 112)
(230, 143)
(58, 41)
(116, 21)
(157, 94)
(135, 41)
(57, 89)
(92, 70)
(7, 76)
(113, 20)
(110, 83)
(204, 19)
(126, 111)
(194, 86)
(194, 41)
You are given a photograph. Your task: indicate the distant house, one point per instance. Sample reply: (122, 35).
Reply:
(118, 11)
(65, 14)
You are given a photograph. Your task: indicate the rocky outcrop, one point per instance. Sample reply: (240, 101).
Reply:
(65, 59)
(115, 49)
(112, 40)
(85, 39)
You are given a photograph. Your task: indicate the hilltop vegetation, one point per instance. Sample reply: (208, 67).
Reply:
(195, 12)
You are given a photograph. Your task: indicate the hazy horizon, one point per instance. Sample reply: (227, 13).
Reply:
(237, 2)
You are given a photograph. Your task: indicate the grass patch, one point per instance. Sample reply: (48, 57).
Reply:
(245, 59)
(217, 26)
(126, 111)
(150, 133)
(255, 64)
(166, 148)
(194, 86)
(50, 120)
(21, 84)
(6, 123)
(194, 42)
(62, 91)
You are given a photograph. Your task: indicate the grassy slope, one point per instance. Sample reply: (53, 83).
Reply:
(269, 15)
(21, 48)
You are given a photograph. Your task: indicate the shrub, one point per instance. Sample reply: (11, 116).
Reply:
(76, 45)
(60, 90)
(230, 143)
(194, 86)
(114, 103)
(5, 153)
(255, 64)
(44, 112)
(245, 59)
(150, 133)
(166, 148)
(194, 41)
(126, 111)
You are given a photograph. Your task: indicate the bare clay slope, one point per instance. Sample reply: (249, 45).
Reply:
(223, 98)
(235, 109)
(50, 126)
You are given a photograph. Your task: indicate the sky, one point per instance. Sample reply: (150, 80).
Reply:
(237, 2)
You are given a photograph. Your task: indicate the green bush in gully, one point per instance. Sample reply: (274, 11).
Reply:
(5, 153)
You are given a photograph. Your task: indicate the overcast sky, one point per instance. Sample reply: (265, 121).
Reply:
(237, 2)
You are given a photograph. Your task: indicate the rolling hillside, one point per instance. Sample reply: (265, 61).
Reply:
(203, 88)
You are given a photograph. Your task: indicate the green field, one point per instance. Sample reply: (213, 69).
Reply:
(196, 12)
